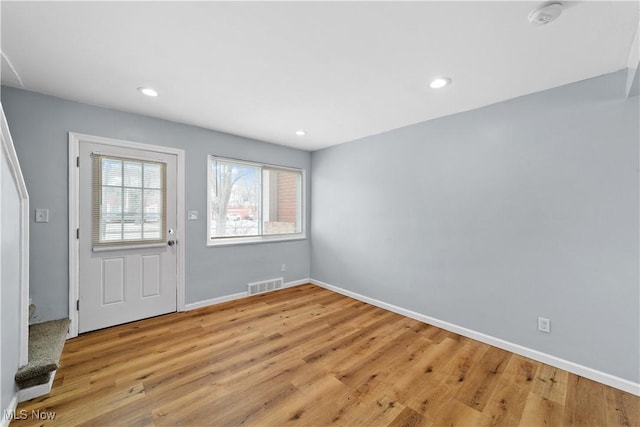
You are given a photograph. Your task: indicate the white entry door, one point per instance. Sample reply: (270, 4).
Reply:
(127, 239)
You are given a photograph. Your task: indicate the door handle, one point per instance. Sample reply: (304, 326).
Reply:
(172, 242)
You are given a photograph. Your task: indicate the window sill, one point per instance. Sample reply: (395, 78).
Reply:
(232, 241)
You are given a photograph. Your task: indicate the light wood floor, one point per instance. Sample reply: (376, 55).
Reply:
(309, 357)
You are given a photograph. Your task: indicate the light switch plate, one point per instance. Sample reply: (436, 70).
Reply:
(42, 215)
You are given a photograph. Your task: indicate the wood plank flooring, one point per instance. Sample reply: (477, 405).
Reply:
(306, 356)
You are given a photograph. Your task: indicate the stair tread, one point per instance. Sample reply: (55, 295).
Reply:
(46, 341)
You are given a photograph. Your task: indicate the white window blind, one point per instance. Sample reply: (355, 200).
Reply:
(129, 201)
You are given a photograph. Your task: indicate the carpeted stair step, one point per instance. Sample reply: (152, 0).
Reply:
(46, 341)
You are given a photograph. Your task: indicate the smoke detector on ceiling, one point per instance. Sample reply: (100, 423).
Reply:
(546, 13)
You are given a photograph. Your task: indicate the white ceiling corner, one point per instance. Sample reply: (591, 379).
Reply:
(9, 74)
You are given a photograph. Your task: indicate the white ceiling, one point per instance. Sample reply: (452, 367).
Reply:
(339, 70)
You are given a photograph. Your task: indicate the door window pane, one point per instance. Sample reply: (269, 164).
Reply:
(129, 201)
(111, 172)
(111, 214)
(152, 175)
(152, 213)
(132, 174)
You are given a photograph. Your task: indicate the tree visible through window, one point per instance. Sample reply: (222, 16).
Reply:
(252, 200)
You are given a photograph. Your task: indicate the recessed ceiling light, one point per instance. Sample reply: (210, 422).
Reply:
(300, 133)
(147, 91)
(439, 82)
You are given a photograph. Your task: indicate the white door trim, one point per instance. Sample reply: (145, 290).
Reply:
(74, 215)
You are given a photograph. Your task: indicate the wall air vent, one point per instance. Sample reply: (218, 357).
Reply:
(265, 286)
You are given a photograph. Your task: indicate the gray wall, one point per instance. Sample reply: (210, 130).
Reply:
(490, 218)
(40, 124)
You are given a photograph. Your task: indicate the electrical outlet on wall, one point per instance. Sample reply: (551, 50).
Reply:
(544, 325)
(283, 267)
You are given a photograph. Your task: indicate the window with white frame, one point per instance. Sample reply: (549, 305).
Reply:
(129, 201)
(252, 202)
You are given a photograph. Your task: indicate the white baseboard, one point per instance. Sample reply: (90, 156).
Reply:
(11, 409)
(214, 301)
(36, 391)
(584, 371)
(226, 298)
(296, 283)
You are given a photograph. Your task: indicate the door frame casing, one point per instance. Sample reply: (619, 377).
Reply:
(75, 139)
